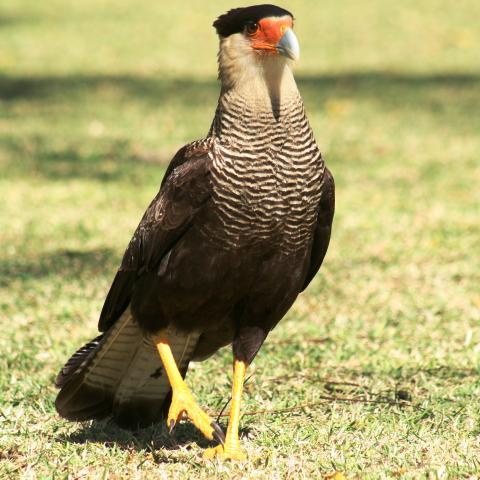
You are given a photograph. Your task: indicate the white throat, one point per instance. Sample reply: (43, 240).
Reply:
(263, 80)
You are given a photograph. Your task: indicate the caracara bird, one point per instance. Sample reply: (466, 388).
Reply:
(240, 226)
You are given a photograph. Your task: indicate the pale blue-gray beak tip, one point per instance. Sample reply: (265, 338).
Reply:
(288, 45)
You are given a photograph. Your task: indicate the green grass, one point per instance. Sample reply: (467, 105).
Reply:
(96, 96)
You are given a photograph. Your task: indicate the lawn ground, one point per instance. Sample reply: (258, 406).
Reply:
(375, 371)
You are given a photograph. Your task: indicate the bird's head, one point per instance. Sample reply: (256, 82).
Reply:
(253, 37)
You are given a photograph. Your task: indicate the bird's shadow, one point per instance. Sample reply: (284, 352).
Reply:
(155, 439)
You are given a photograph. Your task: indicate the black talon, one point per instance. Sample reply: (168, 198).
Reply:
(171, 426)
(217, 433)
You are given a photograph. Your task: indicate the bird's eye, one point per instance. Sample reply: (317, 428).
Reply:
(251, 28)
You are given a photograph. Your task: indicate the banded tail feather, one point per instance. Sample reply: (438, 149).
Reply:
(120, 374)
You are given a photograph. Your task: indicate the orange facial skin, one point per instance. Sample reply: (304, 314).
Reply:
(269, 33)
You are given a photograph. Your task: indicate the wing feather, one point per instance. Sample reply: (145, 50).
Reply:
(184, 190)
(323, 228)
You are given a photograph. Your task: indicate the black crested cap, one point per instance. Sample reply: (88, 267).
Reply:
(234, 20)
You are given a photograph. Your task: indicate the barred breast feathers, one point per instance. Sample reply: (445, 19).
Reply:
(267, 169)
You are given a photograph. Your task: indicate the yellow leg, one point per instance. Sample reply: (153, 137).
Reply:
(231, 448)
(182, 399)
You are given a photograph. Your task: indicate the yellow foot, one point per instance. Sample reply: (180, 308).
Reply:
(225, 452)
(183, 402)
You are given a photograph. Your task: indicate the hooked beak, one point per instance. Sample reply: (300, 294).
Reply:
(288, 45)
